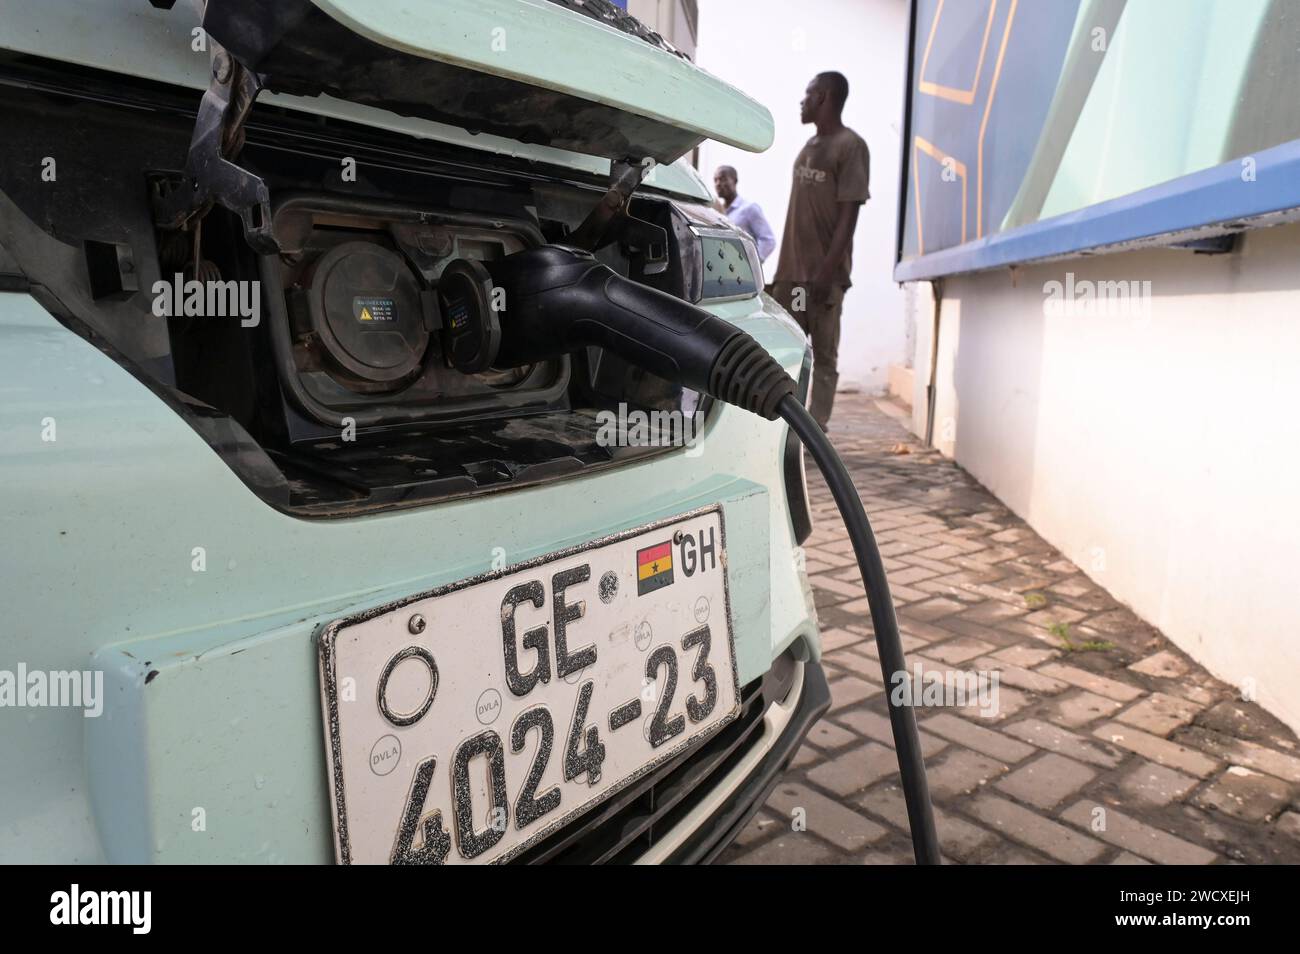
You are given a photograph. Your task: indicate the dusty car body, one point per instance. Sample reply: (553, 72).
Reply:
(211, 501)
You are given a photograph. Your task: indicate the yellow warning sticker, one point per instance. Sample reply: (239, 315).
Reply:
(374, 309)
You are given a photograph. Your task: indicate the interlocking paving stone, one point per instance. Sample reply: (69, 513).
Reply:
(986, 558)
(987, 741)
(1156, 784)
(1164, 664)
(1027, 656)
(1239, 719)
(1052, 615)
(856, 662)
(760, 827)
(868, 646)
(1110, 688)
(884, 858)
(961, 771)
(1080, 708)
(833, 639)
(827, 735)
(1074, 587)
(850, 690)
(992, 612)
(806, 756)
(1243, 752)
(877, 727)
(933, 609)
(796, 848)
(829, 557)
(926, 632)
(1159, 714)
(960, 839)
(1009, 855)
(1245, 793)
(1020, 582)
(958, 650)
(1132, 835)
(1157, 749)
(849, 574)
(1091, 599)
(840, 587)
(1048, 736)
(995, 706)
(967, 573)
(943, 551)
(940, 567)
(854, 769)
(933, 669)
(945, 587)
(1115, 621)
(911, 575)
(1019, 677)
(1033, 829)
(1048, 781)
(824, 817)
(842, 546)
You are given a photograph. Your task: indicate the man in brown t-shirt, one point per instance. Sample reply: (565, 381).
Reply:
(831, 178)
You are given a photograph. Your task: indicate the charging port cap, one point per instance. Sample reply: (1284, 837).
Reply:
(471, 327)
(364, 305)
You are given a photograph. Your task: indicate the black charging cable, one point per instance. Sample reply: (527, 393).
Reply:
(907, 742)
(559, 299)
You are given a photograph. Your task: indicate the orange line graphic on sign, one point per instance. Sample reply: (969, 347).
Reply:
(988, 107)
(963, 96)
(934, 152)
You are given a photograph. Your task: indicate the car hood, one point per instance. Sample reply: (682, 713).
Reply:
(531, 70)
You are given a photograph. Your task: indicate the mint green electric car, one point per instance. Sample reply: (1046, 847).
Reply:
(299, 561)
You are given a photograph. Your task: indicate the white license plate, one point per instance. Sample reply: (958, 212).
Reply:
(466, 724)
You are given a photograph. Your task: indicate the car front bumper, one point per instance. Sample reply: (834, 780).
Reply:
(723, 812)
(144, 558)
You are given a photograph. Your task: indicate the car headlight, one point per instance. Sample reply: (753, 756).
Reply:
(728, 265)
(719, 261)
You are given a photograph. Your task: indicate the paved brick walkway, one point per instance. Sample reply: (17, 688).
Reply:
(1109, 746)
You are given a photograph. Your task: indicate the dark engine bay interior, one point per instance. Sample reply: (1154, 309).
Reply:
(319, 372)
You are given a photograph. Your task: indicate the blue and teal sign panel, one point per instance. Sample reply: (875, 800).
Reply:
(1040, 128)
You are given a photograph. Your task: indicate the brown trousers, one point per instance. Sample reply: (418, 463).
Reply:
(821, 322)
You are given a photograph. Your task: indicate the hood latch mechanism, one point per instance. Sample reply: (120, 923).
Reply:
(210, 175)
(609, 220)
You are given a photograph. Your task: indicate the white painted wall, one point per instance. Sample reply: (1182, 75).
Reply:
(1159, 452)
(771, 49)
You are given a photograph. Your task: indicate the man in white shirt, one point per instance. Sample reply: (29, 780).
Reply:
(743, 213)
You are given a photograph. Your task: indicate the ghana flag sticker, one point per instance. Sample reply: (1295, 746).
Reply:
(654, 568)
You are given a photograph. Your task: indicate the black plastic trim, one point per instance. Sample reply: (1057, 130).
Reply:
(622, 829)
(722, 828)
(795, 471)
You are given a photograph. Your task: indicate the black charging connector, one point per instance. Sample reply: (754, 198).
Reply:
(555, 299)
